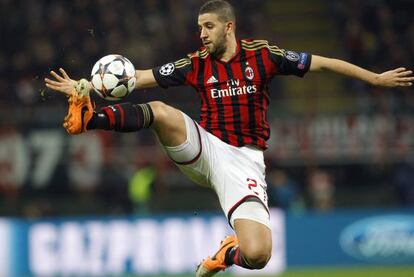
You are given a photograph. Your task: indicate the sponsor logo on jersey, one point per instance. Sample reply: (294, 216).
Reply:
(292, 56)
(249, 73)
(233, 88)
(167, 69)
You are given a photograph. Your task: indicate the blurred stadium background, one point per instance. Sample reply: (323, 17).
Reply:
(340, 162)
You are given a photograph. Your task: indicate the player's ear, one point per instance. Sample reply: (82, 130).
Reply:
(230, 26)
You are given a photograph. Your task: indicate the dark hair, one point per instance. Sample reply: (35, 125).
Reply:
(222, 8)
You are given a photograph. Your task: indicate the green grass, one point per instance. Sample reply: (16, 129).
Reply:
(352, 272)
(332, 272)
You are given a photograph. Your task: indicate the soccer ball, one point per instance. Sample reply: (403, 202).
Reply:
(113, 77)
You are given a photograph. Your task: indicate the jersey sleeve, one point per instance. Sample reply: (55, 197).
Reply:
(175, 73)
(289, 62)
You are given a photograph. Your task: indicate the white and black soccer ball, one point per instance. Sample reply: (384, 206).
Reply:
(113, 77)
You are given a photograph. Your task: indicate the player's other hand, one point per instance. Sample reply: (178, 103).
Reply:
(399, 77)
(61, 83)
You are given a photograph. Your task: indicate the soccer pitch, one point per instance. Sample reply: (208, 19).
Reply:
(352, 272)
(379, 271)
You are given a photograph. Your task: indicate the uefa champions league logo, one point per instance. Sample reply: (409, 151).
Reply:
(167, 69)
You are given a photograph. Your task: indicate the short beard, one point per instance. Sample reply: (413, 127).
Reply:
(219, 49)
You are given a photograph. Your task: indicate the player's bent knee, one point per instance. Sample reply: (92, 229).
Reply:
(258, 260)
(160, 110)
(164, 115)
(257, 255)
(168, 124)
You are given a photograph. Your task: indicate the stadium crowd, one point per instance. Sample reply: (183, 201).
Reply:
(42, 35)
(378, 34)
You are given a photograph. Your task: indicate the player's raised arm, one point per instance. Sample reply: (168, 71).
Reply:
(399, 77)
(145, 79)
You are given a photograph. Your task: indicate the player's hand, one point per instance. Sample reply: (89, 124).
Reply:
(399, 77)
(63, 83)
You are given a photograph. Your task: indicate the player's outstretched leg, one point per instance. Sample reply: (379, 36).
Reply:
(167, 122)
(251, 249)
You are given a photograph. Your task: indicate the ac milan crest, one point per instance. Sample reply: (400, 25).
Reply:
(249, 73)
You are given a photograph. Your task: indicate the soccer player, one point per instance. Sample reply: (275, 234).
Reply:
(224, 150)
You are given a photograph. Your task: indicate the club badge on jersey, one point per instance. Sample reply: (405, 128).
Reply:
(249, 73)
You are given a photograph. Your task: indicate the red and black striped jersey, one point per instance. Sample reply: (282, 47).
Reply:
(235, 94)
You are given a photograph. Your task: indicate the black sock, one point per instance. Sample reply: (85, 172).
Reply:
(229, 256)
(235, 256)
(98, 121)
(124, 117)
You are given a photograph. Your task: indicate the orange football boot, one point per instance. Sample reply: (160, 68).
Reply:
(211, 265)
(80, 109)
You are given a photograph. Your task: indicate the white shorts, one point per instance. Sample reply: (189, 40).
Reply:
(237, 174)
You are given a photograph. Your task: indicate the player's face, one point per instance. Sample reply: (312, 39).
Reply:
(213, 33)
